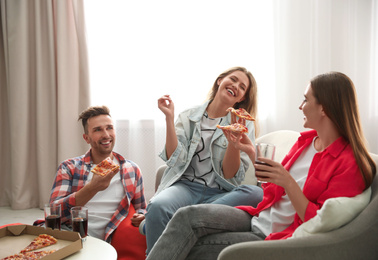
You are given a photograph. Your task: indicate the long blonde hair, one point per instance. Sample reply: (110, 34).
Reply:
(336, 93)
(250, 101)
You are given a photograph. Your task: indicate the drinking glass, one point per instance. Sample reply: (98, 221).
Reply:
(52, 216)
(264, 150)
(79, 217)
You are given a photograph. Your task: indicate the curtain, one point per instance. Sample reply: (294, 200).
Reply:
(170, 47)
(317, 36)
(44, 87)
(141, 141)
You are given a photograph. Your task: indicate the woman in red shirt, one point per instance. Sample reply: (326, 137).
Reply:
(327, 162)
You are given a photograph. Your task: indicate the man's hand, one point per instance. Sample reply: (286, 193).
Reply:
(98, 183)
(137, 219)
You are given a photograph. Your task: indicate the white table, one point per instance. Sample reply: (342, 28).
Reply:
(94, 248)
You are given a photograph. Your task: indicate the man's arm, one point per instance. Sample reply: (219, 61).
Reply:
(138, 201)
(98, 183)
(63, 192)
(69, 192)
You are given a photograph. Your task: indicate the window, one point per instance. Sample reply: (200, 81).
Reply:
(141, 50)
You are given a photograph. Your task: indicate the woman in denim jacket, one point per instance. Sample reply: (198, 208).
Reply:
(202, 167)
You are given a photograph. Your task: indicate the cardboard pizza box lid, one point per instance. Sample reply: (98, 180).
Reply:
(15, 238)
(16, 230)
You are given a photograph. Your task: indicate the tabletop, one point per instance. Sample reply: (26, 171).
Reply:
(94, 248)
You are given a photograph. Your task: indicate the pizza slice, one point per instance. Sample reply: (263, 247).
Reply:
(105, 167)
(236, 128)
(29, 255)
(241, 113)
(41, 241)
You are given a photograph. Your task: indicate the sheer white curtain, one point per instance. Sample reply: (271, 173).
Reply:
(142, 50)
(316, 36)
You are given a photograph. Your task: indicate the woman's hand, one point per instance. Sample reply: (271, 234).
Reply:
(166, 105)
(274, 172)
(241, 142)
(235, 119)
(277, 174)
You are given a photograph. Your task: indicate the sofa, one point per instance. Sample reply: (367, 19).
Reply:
(356, 239)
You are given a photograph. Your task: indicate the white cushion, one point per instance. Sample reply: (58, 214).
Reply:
(335, 213)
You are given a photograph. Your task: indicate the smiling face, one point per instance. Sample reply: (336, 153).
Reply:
(233, 87)
(100, 136)
(312, 110)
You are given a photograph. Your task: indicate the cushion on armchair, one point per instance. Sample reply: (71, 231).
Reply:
(128, 242)
(335, 213)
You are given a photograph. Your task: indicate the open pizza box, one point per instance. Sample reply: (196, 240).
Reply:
(15, 238)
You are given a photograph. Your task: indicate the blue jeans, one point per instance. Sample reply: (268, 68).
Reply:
(184, 193)
(202, 232)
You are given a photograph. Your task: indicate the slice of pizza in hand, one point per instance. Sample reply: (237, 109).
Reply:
(241, 113)
(105, 167)
(41, 241)
(236, 128)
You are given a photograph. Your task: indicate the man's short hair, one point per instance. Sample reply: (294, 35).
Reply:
(91, 112)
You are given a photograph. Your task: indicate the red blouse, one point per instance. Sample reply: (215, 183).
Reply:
(333, 173)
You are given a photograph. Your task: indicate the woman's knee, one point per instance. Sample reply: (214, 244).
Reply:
(161, 208)
(251, 189)
(185, 212)
(156, 209)
(189, 213)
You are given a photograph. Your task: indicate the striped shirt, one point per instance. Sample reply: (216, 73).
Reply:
(72, 175)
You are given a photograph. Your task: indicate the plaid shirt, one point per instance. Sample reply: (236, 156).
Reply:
(72, 175)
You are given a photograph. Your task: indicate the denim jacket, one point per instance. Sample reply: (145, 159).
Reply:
(188, 130)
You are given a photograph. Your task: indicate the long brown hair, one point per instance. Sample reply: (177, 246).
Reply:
(336, 93)
(250, 101)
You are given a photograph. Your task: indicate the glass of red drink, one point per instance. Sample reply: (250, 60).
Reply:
(79, 217)
(264, 150)
(52, 216)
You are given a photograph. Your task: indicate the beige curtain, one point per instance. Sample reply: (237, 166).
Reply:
(44, 86)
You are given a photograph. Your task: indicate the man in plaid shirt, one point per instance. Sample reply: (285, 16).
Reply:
(108, 198)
